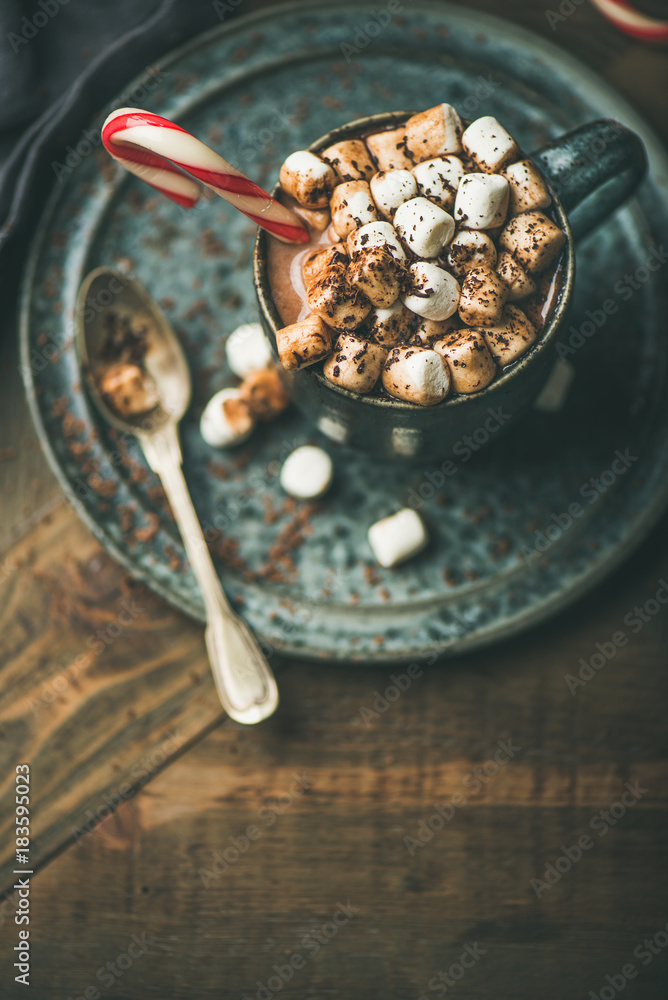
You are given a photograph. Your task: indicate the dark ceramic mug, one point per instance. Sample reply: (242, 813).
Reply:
(590, 172)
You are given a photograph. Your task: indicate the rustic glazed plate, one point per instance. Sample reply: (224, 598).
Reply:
(507, 546)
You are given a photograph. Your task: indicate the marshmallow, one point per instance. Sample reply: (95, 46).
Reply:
(336, 301)
(355, 363)
(511, 338)
(389, 150)
(247, 349)
(482, 201)
(351, 207)
(128, 390)
(318, 262)
(264, 393)
(376, 234)
(424, 227)
(416, 375)
(483, 297)
(302, 344)
(226, 420)
(527, 187)
(434, 132)
(470, 248)
(514, 275)
(308, 179)
(431, 292)
(307, 473)
(315, 218)
(430, 330)
(471, 365)
(377, 274)
(439, 179)
(350, 160)
(391, 188)
(489, 145)
(534, 240)
(397, 538)
(387, 326)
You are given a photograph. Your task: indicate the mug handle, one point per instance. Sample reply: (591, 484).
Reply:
(593, 170)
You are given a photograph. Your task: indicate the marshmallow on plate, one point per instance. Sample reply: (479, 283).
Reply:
(376, 272)
(534, 240)
(308, 179)
(482, 201)
(352, 206)
(391, 188)
(434, 132)
(303, 343)
(332, 297)
(439, 179)
(416, 375)
(489, 144)
(389, 149)
(471, 365)
(376, 234)
(424, 227)
(527, 187)
(470, 248)
(397, 538)
(264, 393)
(511, 338)
(247, 349)
(306, 473)
(514, 275)
(387, 326)
(355, 363)
(226, 420)
(431, 292)
(350, 160)
(484, 294)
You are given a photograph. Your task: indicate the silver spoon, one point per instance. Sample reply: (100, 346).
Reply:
(243, 678)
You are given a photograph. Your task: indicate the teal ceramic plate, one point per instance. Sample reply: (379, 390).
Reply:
(505, 552)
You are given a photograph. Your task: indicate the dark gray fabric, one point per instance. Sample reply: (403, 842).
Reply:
(60, 62)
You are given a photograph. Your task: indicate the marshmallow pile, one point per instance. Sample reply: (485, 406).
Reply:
(435, 233)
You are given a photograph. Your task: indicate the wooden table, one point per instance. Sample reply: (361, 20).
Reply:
(489, 833)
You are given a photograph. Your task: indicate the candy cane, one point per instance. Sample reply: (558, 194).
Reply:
(632, 22)
(158, 151)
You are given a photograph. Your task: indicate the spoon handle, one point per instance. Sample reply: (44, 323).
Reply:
(246, 686)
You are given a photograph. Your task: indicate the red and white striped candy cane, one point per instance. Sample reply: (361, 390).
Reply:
(158, 151)
(632, 22)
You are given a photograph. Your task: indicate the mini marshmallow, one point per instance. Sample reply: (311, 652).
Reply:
(308, 179)
(332, 297)
(376, 234)
(307, 473)
(431, 292)
(265, 394)
(430, 330)
(527, 187)
(439, 180)
(315, 218)
(514, 275)
(482, 201)
(416, 375)
(471, 365)
(377, 274)
(470, 248)
(534, 240)
(355, 363)
(387, 326)
(483, 297)
(489, 144)
(397, 538)
(389, 150)
(247, 349)
(352, 206)
(511, 338)
(318, 262)
(434, 132)
(424, 227)
(350, 160)
(391, 188)
(302, 344)
(226, 420)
